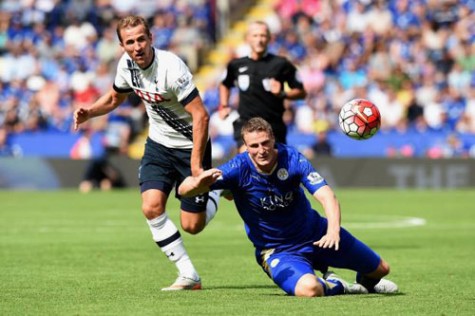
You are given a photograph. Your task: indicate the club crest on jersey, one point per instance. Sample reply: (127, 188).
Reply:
(282, 174)
(243, 82)
(314, 178)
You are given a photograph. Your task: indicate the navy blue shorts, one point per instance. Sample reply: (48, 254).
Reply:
(287, 267)
(164, 168)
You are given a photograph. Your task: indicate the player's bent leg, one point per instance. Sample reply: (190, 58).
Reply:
(308, 286)
(198, 211)
(381, 271)
(293, 273)
(333, 280)
(374, 281)
(192, 223)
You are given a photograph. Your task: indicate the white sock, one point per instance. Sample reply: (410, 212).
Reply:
(212, 205)
(168, 238)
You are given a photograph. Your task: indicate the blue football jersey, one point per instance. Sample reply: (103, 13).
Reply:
(274, 208)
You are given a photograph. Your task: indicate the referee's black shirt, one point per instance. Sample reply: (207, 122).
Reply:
(255, 99)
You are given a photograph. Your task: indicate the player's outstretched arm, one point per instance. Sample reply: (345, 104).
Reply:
(105, 104)
(192, 186)
(331, 206)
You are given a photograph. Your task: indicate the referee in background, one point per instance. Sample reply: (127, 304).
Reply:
(260, 78)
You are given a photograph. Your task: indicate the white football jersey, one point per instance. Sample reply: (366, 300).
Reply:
(161, 86)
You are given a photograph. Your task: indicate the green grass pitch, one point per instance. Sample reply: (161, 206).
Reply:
(66, 253)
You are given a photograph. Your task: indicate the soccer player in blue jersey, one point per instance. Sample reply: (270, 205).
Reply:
(291, 239)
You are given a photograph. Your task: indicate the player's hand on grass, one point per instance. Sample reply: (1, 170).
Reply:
(330, 240)
(81, 115)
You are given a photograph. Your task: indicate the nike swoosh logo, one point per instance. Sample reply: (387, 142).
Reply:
(242, 69)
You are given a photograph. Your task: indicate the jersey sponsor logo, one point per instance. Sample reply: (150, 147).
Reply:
(274, 201)
(282, 174)
(242, 69)
(314, 178)
(243, 82)
(150, 97)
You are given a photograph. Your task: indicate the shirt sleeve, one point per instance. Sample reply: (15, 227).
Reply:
(180, 79)
(228, 77)
(229, 179)
(310, 178)
(292, 76)
(120, 82)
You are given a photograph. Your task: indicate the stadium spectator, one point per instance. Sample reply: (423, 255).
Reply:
(260, 79)
(177, 145)
(6, 150)
(427, 40)
(291, 239)
(322, 146)
(102, 174)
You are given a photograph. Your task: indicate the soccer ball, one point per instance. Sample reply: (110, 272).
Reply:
(359, 119)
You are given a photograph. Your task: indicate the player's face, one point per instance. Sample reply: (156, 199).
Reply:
(258, 39)
(260, 147)
(137, 44)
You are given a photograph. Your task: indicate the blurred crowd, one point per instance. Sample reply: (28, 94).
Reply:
(56, 55)
(414, 59)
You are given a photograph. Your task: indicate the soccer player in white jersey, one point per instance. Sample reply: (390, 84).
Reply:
(177, 145)
(291, 239)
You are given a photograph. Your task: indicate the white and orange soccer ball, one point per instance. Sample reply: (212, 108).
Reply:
(359, 119)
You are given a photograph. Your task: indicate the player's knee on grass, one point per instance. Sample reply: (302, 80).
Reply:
(308, 286)
(381, 271)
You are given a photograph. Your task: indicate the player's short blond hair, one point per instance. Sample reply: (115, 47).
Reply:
(257, 124)
(132, 21)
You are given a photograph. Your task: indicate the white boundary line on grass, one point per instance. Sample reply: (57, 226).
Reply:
(394, 223)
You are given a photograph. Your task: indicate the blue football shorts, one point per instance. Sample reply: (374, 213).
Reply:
(287, 267)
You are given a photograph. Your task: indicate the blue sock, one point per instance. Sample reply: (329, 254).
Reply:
(331, 287)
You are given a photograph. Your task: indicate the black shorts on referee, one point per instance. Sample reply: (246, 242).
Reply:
(162, 168)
